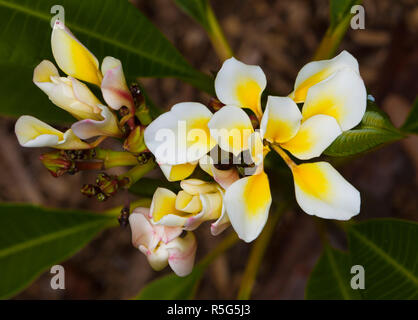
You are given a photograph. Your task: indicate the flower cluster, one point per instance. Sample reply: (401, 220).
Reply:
(228, 142)
(329, 97)
(74, 96)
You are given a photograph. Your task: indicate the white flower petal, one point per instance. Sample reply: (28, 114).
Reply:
(182, 252)
(180, 135)
(32, 132)
(317, 71)
(281, 119)
(247, 202)
(314, 136)
(72, 56)
(231, 127)
(342, 96)
(321, 191)
(88, 128)
(114, 88)
(240, 85)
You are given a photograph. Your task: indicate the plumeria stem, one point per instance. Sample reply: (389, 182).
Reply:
(284, 155)
(217, 37)
(113, 158)
(332, 38)
(145, 202)
(137, 173)
(257, 254)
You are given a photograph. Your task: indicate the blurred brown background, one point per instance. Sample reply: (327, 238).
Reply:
(281, 37)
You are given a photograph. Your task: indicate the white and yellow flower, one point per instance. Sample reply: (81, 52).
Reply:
(179, 138)
(32, 132)
(240, 85)
(197, 202)
(162, 245)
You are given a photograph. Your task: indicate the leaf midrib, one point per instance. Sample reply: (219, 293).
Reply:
(401, 269)
(334, 269)
(49, 237)
(97, 36)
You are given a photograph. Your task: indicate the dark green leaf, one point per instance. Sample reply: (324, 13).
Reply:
(172, 287)
(374, 130)
(147, 186)
(387, 250)
(411, 122)
(106, 27)
(197, 9)
(34, 238)
(330, 279)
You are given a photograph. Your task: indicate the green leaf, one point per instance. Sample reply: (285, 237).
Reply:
(107, 27)
(197, 9)
(330, 279)
(147, 186)
(411, 122)
(387, 250)
(173, 287)
(34, 238)
(374, 130)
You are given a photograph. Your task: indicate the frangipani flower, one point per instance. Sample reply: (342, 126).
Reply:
(334, 99)
(32, 132)
(240, 85)
(162, 245)
(199, 201)
(179, 138)
(317, 71)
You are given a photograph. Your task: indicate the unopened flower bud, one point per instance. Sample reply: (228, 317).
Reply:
(108, 185)
(89, 190)
(58, 163)
(135, 141)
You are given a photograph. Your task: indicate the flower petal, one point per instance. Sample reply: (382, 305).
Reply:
(32, 132)
(114, 88)
(163, 209)
(281, 119)
(72, 56)
(196, 186)
(221, 224)
(177, 172)
(314, 136)
(321, 191)
(211, 204)
(231, 127)
(143, 232)
(247, 202)
(157, 258)
(317, 71)
(342, 96)
(240, 85)
(180, 135)
(88, 128)
(188, 203)
(182, 252)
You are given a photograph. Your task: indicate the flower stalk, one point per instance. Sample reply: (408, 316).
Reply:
(257, 253)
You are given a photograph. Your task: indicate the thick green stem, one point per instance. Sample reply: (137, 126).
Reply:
(137, 173)
(332, 38)
(219, 42)
(115, 211)
(113, 158)
(257, 254)
(284, 155)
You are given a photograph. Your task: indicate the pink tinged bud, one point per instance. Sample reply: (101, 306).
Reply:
(182, 252)
(114, 88)
(89, 128)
